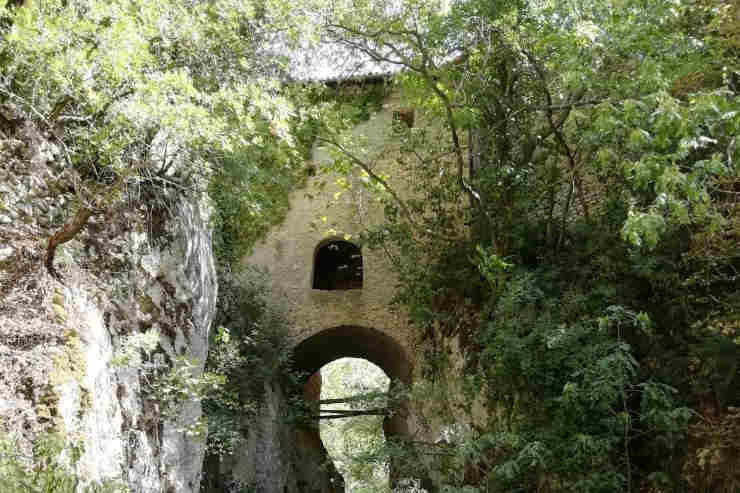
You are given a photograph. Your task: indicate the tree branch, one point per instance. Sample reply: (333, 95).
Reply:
(423, 70)
(354, 398)
(348, 413)
(68, 232)
(378, 179)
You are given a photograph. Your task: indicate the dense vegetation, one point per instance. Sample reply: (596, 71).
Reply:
(142, 98)
(48, 471)
(591, 150)
(137, 103)
(575, 231)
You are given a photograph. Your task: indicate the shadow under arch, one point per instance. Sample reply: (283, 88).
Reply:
(350, 341)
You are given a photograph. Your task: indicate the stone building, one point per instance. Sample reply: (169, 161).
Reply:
(336, 293)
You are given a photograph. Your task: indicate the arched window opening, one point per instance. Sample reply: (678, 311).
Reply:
(338, 265)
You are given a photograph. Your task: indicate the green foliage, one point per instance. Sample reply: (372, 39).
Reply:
(182, 383)
(569, 386)
(558, 99)
(134, 348)
(566, 400)
(250, 189)
(249, 350)
(595, 292)
(146, 100)
(169, 386)
(356, 445)
(574, 382)
(48, 470)
(355, 100)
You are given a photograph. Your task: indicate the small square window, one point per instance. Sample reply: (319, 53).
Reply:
(404, 116)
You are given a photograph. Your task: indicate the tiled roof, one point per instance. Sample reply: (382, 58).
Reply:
(334, 62)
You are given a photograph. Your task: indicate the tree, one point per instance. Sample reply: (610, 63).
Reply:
(537, 84)
(138, 97)
(600, 159)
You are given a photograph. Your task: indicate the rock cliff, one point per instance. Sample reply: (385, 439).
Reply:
(143, 266)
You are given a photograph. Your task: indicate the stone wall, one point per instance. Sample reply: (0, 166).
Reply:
(326, 209)
(333, 207)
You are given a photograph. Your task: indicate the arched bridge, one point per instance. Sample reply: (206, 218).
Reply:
(336, 294)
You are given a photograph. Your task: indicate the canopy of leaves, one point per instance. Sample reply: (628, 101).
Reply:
(156, 96)
(576, 227)
(573, 220)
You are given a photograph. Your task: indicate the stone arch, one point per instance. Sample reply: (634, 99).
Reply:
(350, 341)
(337, 265)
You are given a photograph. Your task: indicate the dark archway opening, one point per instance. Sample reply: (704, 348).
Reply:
(337, 266)
(371, 345)
(351, 341)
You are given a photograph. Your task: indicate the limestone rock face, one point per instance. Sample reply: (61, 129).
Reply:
(277, 456)
(143, 266)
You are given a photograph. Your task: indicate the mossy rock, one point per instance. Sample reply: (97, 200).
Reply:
(147, 305)
(57, 306)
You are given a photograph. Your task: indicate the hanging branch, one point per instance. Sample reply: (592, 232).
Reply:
(355, 398)
(384, 184)
(349, 413)
(67, 233)
(87, 209)
(423, 69)
(556, 128)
